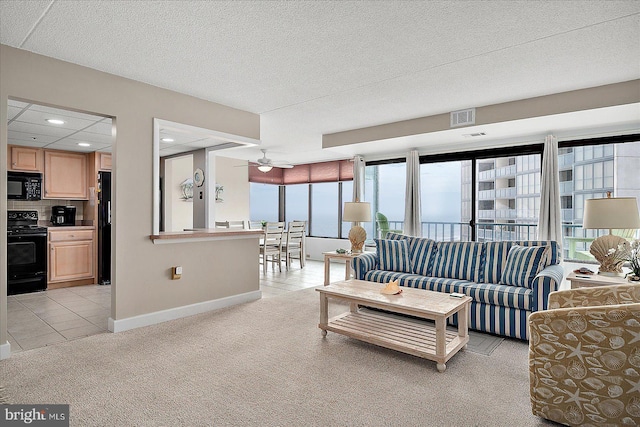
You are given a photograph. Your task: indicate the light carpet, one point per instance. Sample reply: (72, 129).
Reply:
(266, 363)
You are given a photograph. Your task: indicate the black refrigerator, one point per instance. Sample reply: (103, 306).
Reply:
(104, 228)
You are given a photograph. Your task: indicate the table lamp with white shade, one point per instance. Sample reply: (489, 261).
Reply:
(620, 213)
(357, 212)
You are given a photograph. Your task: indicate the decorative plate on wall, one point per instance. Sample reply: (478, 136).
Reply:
(198, 177)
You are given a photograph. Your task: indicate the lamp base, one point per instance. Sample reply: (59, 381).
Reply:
(357, 236)
(602, 248)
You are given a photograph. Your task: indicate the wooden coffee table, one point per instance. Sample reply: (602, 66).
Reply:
(412, 336)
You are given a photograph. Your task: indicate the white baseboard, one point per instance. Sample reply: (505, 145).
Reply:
(5, 350)
(179, 312)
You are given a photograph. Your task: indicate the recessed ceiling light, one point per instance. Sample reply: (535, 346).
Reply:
(56, 121)
(84, 144)
(167, 139)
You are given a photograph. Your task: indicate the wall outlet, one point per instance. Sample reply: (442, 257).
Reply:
(176, 272)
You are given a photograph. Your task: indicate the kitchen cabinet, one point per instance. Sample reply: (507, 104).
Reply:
(105, 161)
(26, 159)
(65, 175)
(71, 254)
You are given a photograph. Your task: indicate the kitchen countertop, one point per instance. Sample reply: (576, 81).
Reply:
(71, 227)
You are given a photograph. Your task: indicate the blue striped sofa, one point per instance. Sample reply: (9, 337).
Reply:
(471, 268)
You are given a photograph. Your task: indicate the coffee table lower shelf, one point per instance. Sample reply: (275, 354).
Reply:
(406, 335)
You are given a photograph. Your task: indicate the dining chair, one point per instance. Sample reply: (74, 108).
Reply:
(294, 243)
(236, 224)
(255, 225)
(271, 245)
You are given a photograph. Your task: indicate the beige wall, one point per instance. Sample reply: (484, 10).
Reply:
(141, 281)
(565, 102)
(233, 174)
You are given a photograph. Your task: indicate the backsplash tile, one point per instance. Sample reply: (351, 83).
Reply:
(44, 207)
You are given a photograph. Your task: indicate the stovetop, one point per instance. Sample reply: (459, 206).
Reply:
(23, 222)
(25, 229)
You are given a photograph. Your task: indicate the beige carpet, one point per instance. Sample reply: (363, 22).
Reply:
(266, 364)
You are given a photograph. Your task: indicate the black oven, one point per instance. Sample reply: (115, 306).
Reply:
(24, 186)
(26, 253)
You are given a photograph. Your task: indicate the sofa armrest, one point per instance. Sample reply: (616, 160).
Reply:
(583, 364)
(595, 295)
(363, 263)
(547, 281)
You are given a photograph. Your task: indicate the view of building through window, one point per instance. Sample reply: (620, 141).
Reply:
(507, 198)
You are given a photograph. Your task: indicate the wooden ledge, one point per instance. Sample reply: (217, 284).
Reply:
(203, 235)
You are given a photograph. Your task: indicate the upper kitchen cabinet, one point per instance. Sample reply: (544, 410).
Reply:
(25, 159)
(65, 175)
(105, 161)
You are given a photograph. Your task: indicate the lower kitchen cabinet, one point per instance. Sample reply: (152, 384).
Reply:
(71, 256)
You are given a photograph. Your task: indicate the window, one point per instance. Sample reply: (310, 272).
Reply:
(347, 196)
(446, 199)
(264, 200)
(324, 209)
(595, 170)
(297, 202)
(384, 189)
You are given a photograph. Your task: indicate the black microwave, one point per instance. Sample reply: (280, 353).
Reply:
(24, 186)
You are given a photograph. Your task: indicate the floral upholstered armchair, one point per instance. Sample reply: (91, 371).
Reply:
(584, 357)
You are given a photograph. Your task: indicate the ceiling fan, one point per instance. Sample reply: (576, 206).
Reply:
(265, 165)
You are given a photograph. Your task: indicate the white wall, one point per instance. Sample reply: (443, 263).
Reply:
(233, 175)
(315, 246)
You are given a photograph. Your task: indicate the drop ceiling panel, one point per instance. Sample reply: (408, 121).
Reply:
(93, 137)
(29, 122)
(28, 137)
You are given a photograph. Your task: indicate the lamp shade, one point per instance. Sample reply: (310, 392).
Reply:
(357, 212)
(265, 168)
(611, 213)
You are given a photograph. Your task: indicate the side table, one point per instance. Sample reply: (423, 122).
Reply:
(347, 257)
(587, 280)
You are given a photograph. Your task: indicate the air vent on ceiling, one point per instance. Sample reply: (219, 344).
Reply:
(463, 117)
(472, 135)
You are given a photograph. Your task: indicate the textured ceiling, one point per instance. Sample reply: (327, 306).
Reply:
(311, 68)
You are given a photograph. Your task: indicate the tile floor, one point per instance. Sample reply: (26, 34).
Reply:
(44, 318)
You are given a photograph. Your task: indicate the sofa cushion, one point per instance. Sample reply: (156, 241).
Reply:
(458, 260)
(437, 284)
(503, 295)
(423, 252)
(394, 255)
(382, 276)
(495, 257)
(523, 264)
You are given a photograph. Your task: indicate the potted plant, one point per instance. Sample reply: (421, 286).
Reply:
(630, 252)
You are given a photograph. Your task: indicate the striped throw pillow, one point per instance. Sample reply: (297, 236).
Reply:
(422, 253)
(393, 255)
(458, 260)
(523, 264)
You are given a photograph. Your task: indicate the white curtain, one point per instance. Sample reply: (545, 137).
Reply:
(412, 211)
(358, 179)
(549, 221)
